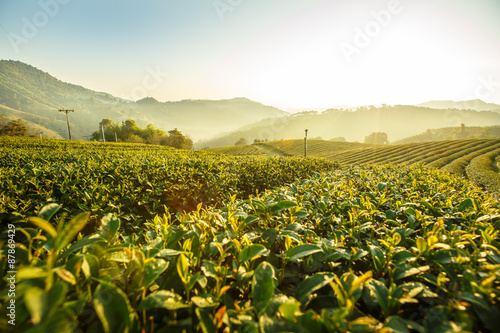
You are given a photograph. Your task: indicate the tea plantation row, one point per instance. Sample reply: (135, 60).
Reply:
(133, 181)
(471, 158)
(361, 249)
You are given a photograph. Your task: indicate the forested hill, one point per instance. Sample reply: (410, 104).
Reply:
(33, 95)
(399, 121)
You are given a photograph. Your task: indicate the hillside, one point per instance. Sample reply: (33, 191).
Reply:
(474, 104)
(33, 95)
(398, 122)
(476, 159)
(452, 133)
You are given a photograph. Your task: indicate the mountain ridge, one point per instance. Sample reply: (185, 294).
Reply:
(399, 122)
(473, 104)
(29, 93)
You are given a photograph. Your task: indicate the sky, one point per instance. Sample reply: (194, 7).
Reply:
(292, 54)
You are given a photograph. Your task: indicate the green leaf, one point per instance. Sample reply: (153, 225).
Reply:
(66, 275)
(48, 211)
(70, 230)
(109, 226)
(206, 321)
(61, 321)
(418, 289)
(27, 273)
(42, 304)
(397, 324)
(167, 253)
(303, 250)
(35, 300)
(152, 270)
(475, 299)
(55, 297)
(112, 307)
(381, 186)
(183, 268)
(421, 245)
(85, 241)
(269, 236)
(288, 310)
(311, 284)
(402, 257)
(44, 225)
(205, 301)
(378, 258)
(405, 270)
(381, 294)
(262, 286)
(163, 299)
(427, 205)
(252, 251)
(464, 205)
(282, 206)
(209, 269)
(192, 280)
(251, 220)
(90, 266)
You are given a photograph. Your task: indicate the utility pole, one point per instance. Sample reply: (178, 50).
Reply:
(67, 119)
(305, 145)
(116, 138)
(102, 130)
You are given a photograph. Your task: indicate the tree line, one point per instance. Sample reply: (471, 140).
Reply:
(128, 131)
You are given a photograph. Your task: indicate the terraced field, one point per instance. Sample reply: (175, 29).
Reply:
(476, 159)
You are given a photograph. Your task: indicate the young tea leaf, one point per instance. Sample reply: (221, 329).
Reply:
(44, 225)
(71, 229)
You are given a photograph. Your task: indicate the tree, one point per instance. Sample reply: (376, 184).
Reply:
(129, 128)
(177, 140)
(128, 131)
(110, 129)
(241, 142)
(133, 138)
(14, 128)
(152, 135)
(379, 138)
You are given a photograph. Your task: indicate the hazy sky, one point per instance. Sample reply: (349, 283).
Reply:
(286, 53)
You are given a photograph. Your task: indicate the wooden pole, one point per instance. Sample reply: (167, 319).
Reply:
(67, 119)
(102, 130)
(305, 144)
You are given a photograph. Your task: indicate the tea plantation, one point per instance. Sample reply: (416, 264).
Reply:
(135, 238)
(471, 158)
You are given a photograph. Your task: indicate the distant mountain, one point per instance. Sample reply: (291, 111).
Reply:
(400, 121)
(474, 104)
(35, 96)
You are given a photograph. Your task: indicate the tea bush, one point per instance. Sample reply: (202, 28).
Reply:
(364, 249)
